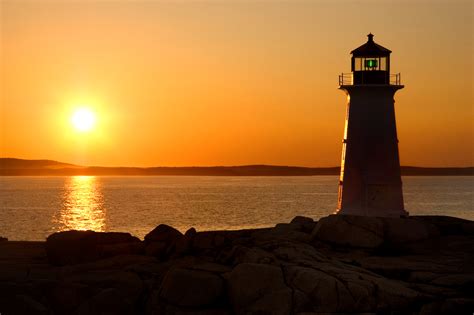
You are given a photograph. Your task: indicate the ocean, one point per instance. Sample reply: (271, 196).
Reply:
(31, 208)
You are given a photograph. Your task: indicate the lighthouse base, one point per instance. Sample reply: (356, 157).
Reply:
(387, 213)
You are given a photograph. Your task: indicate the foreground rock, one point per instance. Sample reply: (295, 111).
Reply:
(339, 265)
(72, 247)
(191, 288)
(373, 233)
(259, 288)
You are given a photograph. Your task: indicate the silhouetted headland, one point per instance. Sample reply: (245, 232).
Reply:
(340, 264)
(20, 167)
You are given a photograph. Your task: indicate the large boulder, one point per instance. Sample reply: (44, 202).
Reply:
(162, 240)
(304, 224)
(156, 249)
(191, 288)
(163, 233)
(72, 247)
(327, 293)
(258, 289)
(352, 231)
(332, 289)
(372, 232)
(448, 225)
(398, 231)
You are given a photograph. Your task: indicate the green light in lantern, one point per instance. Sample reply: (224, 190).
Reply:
(371, 63)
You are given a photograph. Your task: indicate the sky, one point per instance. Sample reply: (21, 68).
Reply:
(181, 83)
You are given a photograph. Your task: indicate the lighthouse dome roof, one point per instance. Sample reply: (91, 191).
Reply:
(370, 49)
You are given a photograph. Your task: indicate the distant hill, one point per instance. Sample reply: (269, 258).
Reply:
(12, 163)
(20, 167)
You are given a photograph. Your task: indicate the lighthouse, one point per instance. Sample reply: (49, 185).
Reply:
(370, 182)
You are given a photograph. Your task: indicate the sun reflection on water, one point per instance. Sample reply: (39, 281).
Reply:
(83, 205)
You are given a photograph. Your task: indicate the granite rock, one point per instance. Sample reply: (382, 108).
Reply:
(191, 288)
(72, 247)
(339, 265)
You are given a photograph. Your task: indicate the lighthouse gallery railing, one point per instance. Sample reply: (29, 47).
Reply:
(348, 79)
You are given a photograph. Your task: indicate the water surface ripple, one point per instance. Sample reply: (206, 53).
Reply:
(34, 207)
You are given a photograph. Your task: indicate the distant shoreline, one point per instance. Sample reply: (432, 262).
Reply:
(20, 167)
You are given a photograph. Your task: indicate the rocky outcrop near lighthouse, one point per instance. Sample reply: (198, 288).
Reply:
(338, 265)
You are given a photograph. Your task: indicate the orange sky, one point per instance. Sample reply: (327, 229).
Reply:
(227, 82)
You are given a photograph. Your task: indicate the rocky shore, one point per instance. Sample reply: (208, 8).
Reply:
(338, 265)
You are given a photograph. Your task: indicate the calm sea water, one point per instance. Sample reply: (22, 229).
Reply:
(31, 208)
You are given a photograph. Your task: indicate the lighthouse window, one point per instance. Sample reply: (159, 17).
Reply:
(371, 63)
(383, 64)
(358, 64)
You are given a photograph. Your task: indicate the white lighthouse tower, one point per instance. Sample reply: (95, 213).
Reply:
(370, 182)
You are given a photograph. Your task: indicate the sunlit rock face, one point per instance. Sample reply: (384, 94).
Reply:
(341, 264)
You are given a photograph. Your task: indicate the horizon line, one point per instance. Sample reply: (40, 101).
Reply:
(211, 166)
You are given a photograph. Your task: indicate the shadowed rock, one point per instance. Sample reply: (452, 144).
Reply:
(339, 265)
(448, 225)
(187, 288)
(107, 301)
(304, 224)
(161, 241)
(24, 304)
(372, 232)
(352, 231)
(163, 233)
(399, 231)
(72, 247)
(258, 288)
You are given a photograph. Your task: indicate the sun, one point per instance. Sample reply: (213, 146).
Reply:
(83, 119)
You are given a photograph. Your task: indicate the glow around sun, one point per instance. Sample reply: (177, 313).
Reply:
(83, 119)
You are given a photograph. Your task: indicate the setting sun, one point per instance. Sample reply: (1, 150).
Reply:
(83, 119)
